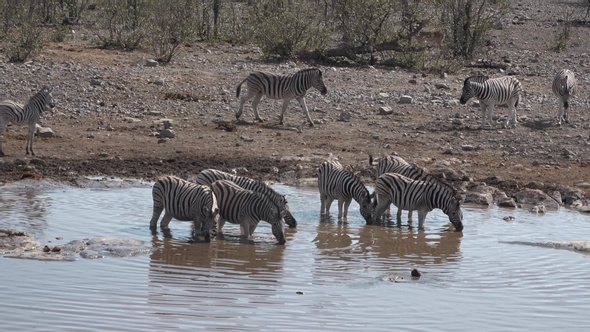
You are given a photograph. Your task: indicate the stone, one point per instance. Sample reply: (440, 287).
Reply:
(406, 100)
(167, 133)
(151, 63)
(507, 202)
(536, 197)
(44, 132)
(95, 82)
(344, 116)
(385, 110)
(485, 199)
(443, 86)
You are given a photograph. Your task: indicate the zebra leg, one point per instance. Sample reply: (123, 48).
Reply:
(220, 223)
(2, 128)
(561, 111)
(409, 216)
(255, 107)
(32, 127)
(243, 100)
(566, 111)
(482, 108)
(165, 220)
(303, 105)
(327, 204)
(512, 114)
(346, 205)
(283, 109)
(156, 215)
(399, 216)
(383, 204)
(421, 217)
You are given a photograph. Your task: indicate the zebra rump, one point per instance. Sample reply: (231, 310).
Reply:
(208, 176)
(424, 196)
(185, 201)
(564, 86)
(29, 114)
(335, 182)
(245, 207)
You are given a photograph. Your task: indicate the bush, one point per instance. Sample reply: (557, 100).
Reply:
(123, 24)
(22, 34)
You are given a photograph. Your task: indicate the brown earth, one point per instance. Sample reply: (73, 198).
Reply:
(109, 103)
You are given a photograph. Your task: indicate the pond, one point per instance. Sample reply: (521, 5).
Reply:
(329, 275)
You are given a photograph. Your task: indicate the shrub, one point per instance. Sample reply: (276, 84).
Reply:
(23, 36)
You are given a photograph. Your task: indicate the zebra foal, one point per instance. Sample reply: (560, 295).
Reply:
(286, 87)
(208, 176)
(395, 164)
(492, 92)
(185, 201)
(564, 86)
(335, 182)
(29, 114)
(245, 207)
(423, 196)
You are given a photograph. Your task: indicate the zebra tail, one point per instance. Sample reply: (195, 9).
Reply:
(239, 88)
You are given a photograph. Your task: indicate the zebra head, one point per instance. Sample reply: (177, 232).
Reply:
(367, 206)
(453, 210)
(44, 95)
(318, 82)
(278, 227)
(468, 92)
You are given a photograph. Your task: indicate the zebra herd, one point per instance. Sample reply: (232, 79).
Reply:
(215, 197)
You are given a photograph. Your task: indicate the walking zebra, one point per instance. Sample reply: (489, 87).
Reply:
(395, 164)
(287, 87)
(423, 196)
(245, 207)
(492, 92)
(208, 176)
(185, 201)
(29, 114)
(564, 86)
(335, 182)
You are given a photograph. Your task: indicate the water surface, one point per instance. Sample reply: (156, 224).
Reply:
(329, 275)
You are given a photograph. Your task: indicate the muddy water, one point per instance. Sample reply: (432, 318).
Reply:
(329, 275)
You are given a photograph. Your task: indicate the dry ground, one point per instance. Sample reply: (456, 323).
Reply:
(109, 104)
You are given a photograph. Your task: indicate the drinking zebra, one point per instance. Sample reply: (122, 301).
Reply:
(424, 196)
(245, 207)
(492, 92)
(335, 182)
(286, 87)
(29, 114)
(208, 176)
(564, 86)
(185, 201)
(395, 164)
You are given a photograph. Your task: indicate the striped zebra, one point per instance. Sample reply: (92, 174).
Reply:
(29, 114)
(395, 164)
(286, 87)
(564, 86)
(492, 92)
(185, 201)
(245, 207)
(424, 196)
(335, 182)
(208, 176)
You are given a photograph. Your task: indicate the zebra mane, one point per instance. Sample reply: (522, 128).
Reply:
(476, 78)
(441, 182)
(306, 70)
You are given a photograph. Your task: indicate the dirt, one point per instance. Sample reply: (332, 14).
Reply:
(109, 106)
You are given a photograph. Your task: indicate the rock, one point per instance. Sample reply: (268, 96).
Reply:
(443, 86)
(385, 110)
(44, 132)
(151, 63)
(383, 95)
(37, 162)
(159, 82)
(167, 133)
(506, 202)
(95, 82)
(344, 116)
(536, 197)
(485, 199)
(406, 100)
(163, 140)
(467, 147)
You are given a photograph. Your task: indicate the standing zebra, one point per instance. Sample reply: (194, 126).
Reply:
(245, 207)
(491, 92)
(29, 114)
(335, 182)
(423, 196)
(185, 201)
(564, 86)
(287, 87)
(208, 176)
(395, 164)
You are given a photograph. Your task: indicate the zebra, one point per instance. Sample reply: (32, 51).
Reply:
(208, 176)
(29, 114)
(491, 92)
(335, 182)
(564, 86)
(246, 207)
(424, 196)
(395, 164)
(185, 201)
(286, 87)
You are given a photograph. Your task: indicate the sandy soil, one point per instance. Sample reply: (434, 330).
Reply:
(109, 107)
